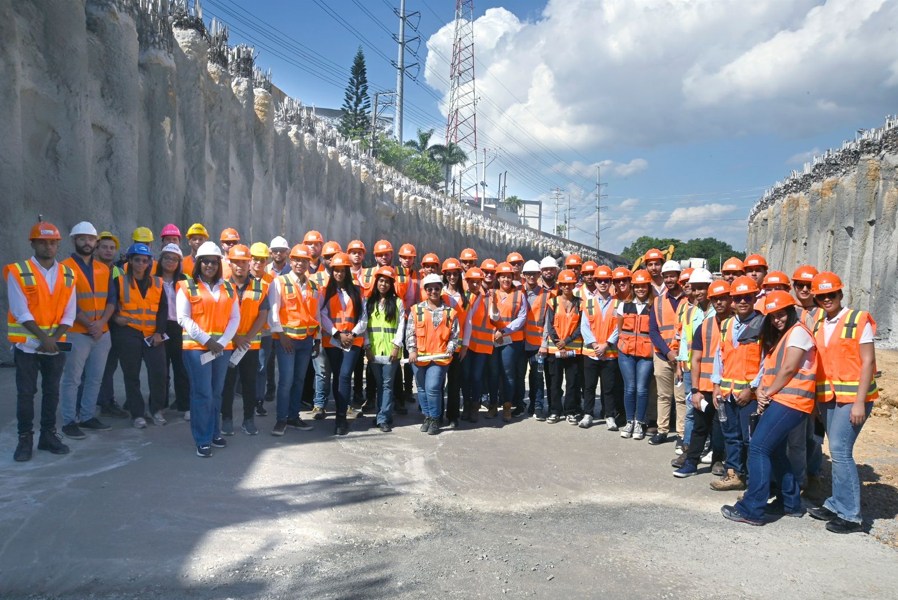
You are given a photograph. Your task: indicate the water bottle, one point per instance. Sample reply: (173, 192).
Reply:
(721, 412)
(540, 362)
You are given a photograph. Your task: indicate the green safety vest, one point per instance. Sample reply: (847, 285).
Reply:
(381, 333)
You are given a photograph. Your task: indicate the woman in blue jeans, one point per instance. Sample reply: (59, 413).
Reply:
(635, 358)
(786, 394)
(383, 341)
(479, 341)
(508, 313)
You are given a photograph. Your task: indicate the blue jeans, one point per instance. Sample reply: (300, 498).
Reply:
(536, 383)
(735, 433)
(637, 372)
(846, 498)
(292, 370)
(473, 369)
(262, 376)
(322, 379)
(430, 379)
(342, 365)
(206, 386)
(797, 450)
(383, 381)
(690, 415)
(814, 450)
(86, 362)
(505, 362)
(766, 457)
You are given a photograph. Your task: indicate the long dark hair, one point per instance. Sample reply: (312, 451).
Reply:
(355, 296)
(770, 335)
(460, 290)
(177, 276)
(390, 310)
(198, 272)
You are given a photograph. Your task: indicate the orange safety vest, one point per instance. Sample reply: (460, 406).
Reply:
(45, 306)
(710, 343)
(91, 302)
(840, 360)
(252, 298)
(566, 323)
(667, 319)
(801, 390)
(140, 311)
(296, 313)
(210, 315)
(481, 340)
(634, 339)
(810, 318)
(187, 265)
(367, 281)
(404, 279)
(432, 340)
(601, 326)
(536, 316)
(509, 310)
(740, 364)
(344, 319)
(461, 311)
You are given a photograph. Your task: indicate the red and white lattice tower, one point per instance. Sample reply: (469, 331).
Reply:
(461, 124)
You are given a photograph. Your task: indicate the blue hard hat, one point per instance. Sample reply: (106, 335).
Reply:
(138, 248)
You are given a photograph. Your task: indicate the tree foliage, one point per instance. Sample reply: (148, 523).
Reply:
(513, 204)
(417, 159)
(355, 123)
(708, 248)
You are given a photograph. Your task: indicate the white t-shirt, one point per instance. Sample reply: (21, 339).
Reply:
(640, 307)
(829, 325)
(800, 338)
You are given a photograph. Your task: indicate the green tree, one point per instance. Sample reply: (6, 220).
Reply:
(422, 144)
(392, 153)
(513, 204)
(560, 229)
(424, 169)
(711, 249)
(355, 122)
(448, 156)
(645, 243)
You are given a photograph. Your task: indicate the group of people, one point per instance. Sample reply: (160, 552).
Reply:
(748, 370)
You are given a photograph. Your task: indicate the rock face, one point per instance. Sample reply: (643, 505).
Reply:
(840, 215)
(132, 113)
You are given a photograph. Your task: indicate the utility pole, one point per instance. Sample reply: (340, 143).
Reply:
(461, 121)
(556, 198)
(400, 65)
(599, 207)
(390, 100)
(567, 221)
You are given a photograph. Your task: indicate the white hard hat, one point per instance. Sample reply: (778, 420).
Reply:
(548, 263)
(209, 249)
(531, 266)
(278, 242)
(432, 278)
(701, 276)
(83, 228)
(671, 266)
(173, 249)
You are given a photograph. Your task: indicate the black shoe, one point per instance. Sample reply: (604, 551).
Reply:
(113, 411)
(342, 426)
(73, 432)
(718, 469)
(219, 442)
(385, 427)
(777, 509)
(269, 396)
(400, 410)
(840, 525)
(306, 406)
(50, 440)
(204, 451)
(452, 425)
(94, 424)
(297, 423)
(24, 447)
(260, 410)
(280, 428)
(730, 512)
(518, 411)
(434, 427)
(425, 425)
(678, 461)
(657, 439)
(821, 513)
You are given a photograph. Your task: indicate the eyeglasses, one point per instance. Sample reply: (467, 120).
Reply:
(748, 299)
(140, 260)
(801, 284)
(279, 250)
(170, 257)
(603, 281)
(208, 261)
(827, 296)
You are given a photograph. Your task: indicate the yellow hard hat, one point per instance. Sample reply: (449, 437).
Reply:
(259, 250)
(197, 229)
(107, 235)
(143, 235)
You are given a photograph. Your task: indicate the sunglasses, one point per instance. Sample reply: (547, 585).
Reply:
(516, 263)
(827, 296)
(603, 280)
(801, 284)
(748, 299)
(208, 261)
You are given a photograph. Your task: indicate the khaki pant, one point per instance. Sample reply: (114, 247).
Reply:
(665, 376)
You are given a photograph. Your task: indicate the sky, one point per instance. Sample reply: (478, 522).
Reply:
(692, 108)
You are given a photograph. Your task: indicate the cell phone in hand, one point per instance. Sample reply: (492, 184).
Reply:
(64, 346)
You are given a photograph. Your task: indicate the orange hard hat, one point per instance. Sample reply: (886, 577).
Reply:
(733, 264)
(430, 259)
(301, 251)
(489, 265)
(621, 273)
(513, 258)
(602, 272)
(356, 245)
(567, 276)
(408, 251)
(805, 273)
(312, 237)
(44, 231)
(776, 278)
(230, 235)
(685, 274)
(451, 264)
(238, 252)
(743, 285)
(653, 254)
(504, 267)
(589, 267)
(641, 277)
(330, 249)
(382, 247)
(826, 282)
(719, 288)
(386, 271)
(755, 260)
(474, 273)
(468, 254)
(573, 260)
(777, 300)
(340, 259)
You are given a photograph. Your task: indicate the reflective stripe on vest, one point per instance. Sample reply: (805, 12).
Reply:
(45, 305)
(565, 327)
(249, 303)
(381, 332)
(799, 393)
(667, 328)
(740, 364)
(597, 319)
(506, 317)
(710, 342)
(482, 341)
(296, 322)
(839, 376)
(533, 330)
(207, 321)
(634, 338)
(140, 311)
(430, 340)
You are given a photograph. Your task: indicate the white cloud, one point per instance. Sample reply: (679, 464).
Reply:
(610, 168)
(803, 157)
(605, 73)
(629, 203)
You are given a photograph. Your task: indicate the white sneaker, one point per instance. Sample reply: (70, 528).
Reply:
(706, 459)
(639, 431)
(586, 422)
(139, 423)
(627, 431)
(611, 425)
(186, 415)
(572, 419)
(158, 419)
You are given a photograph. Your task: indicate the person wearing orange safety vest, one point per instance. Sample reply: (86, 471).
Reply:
(142, 318)
(328, 252)
(663, 324)
(315, 243)
(42, 307)
(517, 264)
(468, 258)
(478, 337)
(252, 297)
(600, 335)
(89, 335)
(635, 352)
(229, 239)
(808, 312)
(756, 268)
(846, 390)
(106, 252)
(170, 235)
(168, 268)
(408, 288)
(196, 237)
(209, 314)
(488, 267)
(653, 261)
(786, 396)
(620, 278)
(562, 348)
(455, 296)
(736, 366)
(356, 251)
(539, 378)
(731, 269)
(508, 314)
(279, 250)
(432, 335)
(258, 267)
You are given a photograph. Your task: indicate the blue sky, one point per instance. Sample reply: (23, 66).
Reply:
(692, 108)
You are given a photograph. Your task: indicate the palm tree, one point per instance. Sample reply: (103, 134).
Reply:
(448, 156)
(513, 204)
(422, 144)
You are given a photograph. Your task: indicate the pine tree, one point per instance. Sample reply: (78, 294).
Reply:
(355, 122)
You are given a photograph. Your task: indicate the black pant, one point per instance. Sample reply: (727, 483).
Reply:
(606, 374)
(175, 360)
(106, 397)
(271, 387)
(132, 351)
(453, 384)
(28, 366)
(357, 372)
(701, 430)
(247, 368)
(402, 384)
(564, 370)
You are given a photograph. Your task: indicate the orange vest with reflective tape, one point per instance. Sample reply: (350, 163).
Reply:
(810, 317)
(633, 338)
(45, 306)
(601, 326)
(91, 302)
(741, 364)
(667, 319)
(404, 279)
(297, 313)
(431, 340)
(187, 265)
(536, 316)
(209, 314)
(461, 310)
(509, 306)
(710, 343)
(801, 390)
(344, 319)
(566, 323)
(367, 280)
(140, 311)
(482, 331)
(249, 302)
(840, 360)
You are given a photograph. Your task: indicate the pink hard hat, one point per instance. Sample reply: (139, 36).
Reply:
(170, 229)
